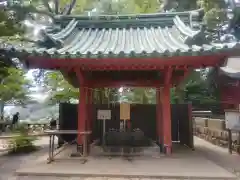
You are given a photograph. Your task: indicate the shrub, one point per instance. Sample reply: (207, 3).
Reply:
(22, 143)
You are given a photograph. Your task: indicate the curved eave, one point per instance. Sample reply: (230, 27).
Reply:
(64, 32)
(232, 73)
(144, 64)
(122, 55)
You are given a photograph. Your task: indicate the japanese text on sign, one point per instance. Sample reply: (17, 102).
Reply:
(125, 111)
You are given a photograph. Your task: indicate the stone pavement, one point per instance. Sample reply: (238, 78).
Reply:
(218, 155)
(92, 178)
(8, 165)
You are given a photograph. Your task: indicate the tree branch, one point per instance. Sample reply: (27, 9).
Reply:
(56, 2)
(71, 6)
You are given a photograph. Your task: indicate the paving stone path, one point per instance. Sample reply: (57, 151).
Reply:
(218, 155)
(9, 164)
(93, 178)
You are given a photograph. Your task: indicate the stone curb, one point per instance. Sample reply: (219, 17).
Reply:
(19, 173)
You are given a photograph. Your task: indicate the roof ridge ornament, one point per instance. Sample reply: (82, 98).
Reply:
(193, 37)
(48, 41)
(131, 16)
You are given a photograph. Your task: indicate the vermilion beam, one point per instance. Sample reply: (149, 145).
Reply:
(117, 84)
(127, 63)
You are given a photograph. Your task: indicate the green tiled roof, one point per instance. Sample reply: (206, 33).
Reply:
(154, 35)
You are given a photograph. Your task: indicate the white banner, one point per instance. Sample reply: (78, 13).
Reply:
(104, 114)
(232, 120)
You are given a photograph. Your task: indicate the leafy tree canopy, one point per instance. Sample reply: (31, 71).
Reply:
(195, 88)
(14, 87)
(59, 89)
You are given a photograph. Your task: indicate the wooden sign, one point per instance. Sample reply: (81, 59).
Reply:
(124, 111)
(104, 114)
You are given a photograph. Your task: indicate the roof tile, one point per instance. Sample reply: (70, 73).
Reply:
(157, 35)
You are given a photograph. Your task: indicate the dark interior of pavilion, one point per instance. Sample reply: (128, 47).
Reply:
(131, 136)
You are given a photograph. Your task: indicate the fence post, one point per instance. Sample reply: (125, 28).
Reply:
(229, 141)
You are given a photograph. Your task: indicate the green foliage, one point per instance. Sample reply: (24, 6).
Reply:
(210, 4)
(122, 6)
(147, 6)
(22, 144)
(13, 85)
(186, 5)
(81, 6)
(215, 12)
(195, 89)
(105, 95)
(140, 95)
(173, 96)
(7, 25)
(214, 17)
(61, 90)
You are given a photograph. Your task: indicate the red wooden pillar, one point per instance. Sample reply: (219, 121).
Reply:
(90, 106)
(166, 112)
(159, 125)
(89, 116)
(82, 107)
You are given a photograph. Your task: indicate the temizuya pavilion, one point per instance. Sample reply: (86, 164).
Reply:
(154, 50)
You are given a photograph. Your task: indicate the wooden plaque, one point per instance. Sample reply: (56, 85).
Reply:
(124, 111)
